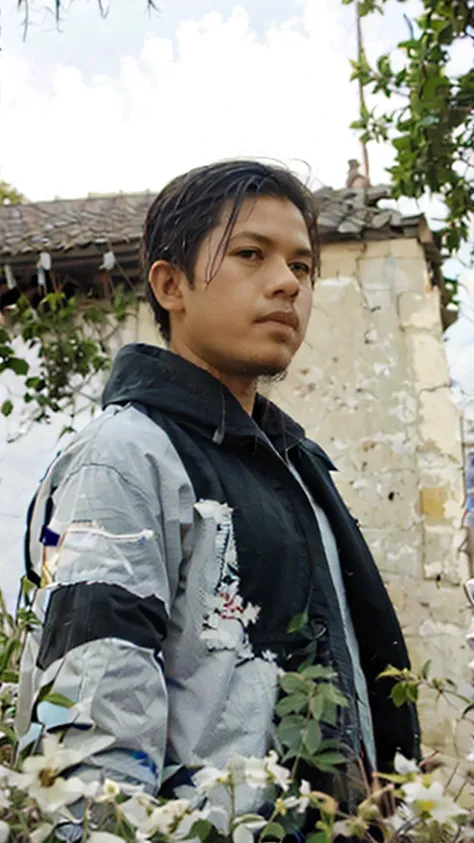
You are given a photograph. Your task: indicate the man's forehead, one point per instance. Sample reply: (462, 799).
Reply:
(260, 214)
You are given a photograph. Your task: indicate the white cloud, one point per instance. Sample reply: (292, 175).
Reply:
(216, 91)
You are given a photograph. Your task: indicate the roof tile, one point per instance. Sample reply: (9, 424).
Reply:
(65, 224)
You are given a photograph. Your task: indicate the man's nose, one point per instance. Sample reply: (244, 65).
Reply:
(283, 281)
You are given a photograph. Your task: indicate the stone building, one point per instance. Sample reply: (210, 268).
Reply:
(370, 384)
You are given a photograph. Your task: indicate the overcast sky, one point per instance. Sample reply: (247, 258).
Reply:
(128, 102)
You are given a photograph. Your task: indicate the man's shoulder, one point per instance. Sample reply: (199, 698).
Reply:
(315, 450)
(121, 438)
(121, 426)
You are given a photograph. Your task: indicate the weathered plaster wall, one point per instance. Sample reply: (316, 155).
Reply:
(370, 384)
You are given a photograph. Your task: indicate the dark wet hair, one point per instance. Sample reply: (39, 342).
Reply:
(190, 207)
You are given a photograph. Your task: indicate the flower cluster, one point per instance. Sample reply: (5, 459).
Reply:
(43, 799)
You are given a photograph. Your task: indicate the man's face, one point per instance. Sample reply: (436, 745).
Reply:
(251, 316)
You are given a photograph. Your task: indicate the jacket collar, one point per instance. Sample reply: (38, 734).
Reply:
(164, 381)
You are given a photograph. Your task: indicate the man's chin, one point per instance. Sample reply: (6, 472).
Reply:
(269, 378)
(267, 371)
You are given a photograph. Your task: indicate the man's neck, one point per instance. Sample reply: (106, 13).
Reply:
(242, 388)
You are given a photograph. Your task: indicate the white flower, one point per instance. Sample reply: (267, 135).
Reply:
(299, 802)
(138, 808)
(254, 772)
(342, 828)
(41, 833)
(4, 832)
(103, 837)
(241, 834)
(429, 799)
(251, 771)
(305, 797)
(209, 778)
(40, 776)
(352, 827)
(278, 774)
(252, 822)
(147, 817)
(219, 817)
(166, 818)
(54, 796)
(55, 757)
(109, 790)
(403, 766)
(470, 756)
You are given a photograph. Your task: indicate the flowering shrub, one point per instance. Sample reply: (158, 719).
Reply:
(36, 798)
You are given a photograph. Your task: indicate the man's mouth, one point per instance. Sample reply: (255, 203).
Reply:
(282, 317)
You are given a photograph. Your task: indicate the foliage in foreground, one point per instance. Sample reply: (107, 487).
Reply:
(72, 339)
(432, 132)
(57, 10)
(35, 796)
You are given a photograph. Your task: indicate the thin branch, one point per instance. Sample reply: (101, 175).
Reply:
(362, 103)
(26, 6)
(103, 11)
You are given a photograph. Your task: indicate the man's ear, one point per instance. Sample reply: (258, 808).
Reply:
(167, 281)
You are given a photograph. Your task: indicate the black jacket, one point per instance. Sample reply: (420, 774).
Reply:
(228, 458)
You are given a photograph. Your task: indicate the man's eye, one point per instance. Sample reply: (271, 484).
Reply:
(249, 254)
(301, 268)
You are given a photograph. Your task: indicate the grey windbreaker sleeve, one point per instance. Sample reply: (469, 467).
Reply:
(108, 534)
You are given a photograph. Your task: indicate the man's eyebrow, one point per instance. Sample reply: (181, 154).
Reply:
(300, 251)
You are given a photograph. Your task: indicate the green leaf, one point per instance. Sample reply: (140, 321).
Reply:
(9, 733)
(312, 736)
(293, 683)
(35, 383)
(412, 693)
(327, 762)
(201, 829)
(390, 671)
(425, 670)
(318, 837)
(58, 699)
(7, 655)
(316, 706)
(273, 830)
(329, 743)
(298, 622)
(336, 696)
(329, 714)
(7, 407)
(66, 429)
(44, 691)
(290, 729)
(10, 676)
(294, 702)
(399, 694)
(318, 671)
(19, 366)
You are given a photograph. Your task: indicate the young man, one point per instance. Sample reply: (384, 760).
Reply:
(184, 528)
